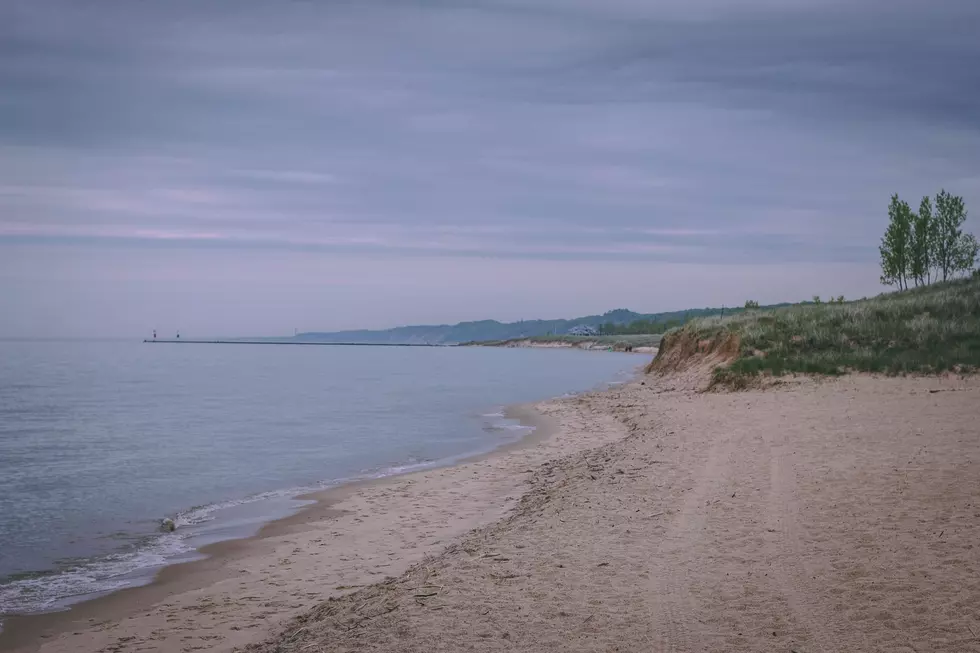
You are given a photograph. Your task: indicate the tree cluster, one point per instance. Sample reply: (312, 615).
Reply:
(928, 245)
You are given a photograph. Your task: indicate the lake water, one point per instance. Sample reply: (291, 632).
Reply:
(99, 441)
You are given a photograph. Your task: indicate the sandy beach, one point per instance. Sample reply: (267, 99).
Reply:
(832, 515)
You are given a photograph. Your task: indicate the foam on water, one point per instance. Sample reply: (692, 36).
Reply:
(88, 579)
(498, 421)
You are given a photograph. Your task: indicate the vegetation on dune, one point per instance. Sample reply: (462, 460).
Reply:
(933, 328)
(932, 324)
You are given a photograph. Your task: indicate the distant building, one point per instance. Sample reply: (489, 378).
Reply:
(583, 330)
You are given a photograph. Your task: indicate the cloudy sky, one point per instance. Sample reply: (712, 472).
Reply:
(251, 167)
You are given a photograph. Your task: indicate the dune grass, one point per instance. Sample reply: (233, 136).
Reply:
(931, 329)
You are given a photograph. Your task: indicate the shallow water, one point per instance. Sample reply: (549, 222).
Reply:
(99, 441)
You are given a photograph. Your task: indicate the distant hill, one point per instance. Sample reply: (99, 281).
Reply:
(494, 330)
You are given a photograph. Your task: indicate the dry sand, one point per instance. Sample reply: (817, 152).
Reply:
(839, 515)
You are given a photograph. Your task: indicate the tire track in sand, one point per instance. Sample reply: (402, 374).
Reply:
(675, 606)
(821, 627)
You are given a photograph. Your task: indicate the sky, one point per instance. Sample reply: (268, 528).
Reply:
(253, 167)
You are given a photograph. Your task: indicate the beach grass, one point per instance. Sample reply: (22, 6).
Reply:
(931, 329)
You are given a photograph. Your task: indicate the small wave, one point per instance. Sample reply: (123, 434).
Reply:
(498, 421)
(202, 514)
(57, 590)
(413, 465)
(510, 426)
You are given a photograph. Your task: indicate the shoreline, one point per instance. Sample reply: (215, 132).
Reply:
(29, 632)
(531, 430)
(528, 424)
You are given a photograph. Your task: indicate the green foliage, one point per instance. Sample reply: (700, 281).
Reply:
(926, 245)
(895, 248)
(948, 250)
(930, 329)
(816, 299)
(965, 253)
(751, 304)
(922, 243)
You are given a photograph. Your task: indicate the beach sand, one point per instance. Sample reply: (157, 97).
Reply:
(832, 515)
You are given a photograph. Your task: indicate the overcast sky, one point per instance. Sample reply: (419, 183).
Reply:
(246, 167)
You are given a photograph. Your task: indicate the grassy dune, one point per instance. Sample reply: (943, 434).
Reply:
(931, 329)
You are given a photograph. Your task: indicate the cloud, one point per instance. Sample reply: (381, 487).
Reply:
(678, 132)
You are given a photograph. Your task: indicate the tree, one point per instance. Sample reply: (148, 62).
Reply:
(750, 304)
(965, 254)
(950, 250)
(896, 244)
(922, 243)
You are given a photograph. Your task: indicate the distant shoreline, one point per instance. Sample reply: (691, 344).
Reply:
(298, 342)
(633, 343)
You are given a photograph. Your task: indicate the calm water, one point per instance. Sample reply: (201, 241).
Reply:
(99, 441)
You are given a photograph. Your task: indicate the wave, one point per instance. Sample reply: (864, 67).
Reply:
(498, 421)
(56, 590)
